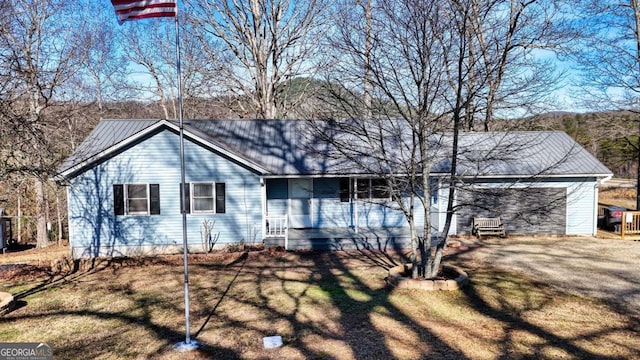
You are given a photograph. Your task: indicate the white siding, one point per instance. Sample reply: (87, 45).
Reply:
(582, 208)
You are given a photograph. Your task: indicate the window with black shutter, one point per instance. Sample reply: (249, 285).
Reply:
(205, 198)
(136, 199)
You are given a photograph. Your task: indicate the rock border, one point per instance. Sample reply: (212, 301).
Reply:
(6, 303)
(397, 279)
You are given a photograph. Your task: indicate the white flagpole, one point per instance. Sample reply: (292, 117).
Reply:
(188, 344)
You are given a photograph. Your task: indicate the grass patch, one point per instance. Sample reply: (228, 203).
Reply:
(330, 305)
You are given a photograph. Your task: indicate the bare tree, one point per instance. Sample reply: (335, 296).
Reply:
(433, 67)
(268, 42)
(403, 67)
(608, 55)
(39, 53)
(151, 54)
(509, 48)
(102, 77)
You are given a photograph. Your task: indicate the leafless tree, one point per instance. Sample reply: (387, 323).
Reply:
(103, 76)
(608, 55)
(404, 72)
(510, 45)
(39, 53)
(432, 67)
(267, 43)
(150, 49)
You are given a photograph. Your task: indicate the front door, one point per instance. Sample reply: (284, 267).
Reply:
(300, 191)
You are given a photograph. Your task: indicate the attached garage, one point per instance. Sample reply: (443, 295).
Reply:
(538, 183)
(530, 210)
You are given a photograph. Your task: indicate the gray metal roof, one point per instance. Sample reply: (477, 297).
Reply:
(289, 147)
(519, 153)
(106, 135)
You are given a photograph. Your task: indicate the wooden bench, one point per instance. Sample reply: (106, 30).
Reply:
(487, 226)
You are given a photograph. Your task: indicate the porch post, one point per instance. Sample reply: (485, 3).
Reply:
(355, 204)
(263, 189)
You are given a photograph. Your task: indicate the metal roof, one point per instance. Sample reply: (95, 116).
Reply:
(289, 148)
(108, 134)
(519, 153)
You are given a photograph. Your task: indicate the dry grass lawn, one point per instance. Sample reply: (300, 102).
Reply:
(325, 305)
(618, 196)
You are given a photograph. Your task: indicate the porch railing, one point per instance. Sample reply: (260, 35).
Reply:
(630, 223)
(278, 226)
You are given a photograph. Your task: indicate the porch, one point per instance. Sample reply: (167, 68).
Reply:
(344, 238)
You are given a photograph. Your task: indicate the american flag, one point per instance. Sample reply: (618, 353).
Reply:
(141, 9)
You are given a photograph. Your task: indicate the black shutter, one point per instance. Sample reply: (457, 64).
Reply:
(118, 199)
(220, 198)
(154, 199)
(185, 189)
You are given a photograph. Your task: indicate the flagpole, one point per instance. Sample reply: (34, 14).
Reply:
(188, 344)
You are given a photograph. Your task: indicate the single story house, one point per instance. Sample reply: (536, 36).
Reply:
(258, 181)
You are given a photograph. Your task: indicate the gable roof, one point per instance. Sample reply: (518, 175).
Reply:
(287, 148)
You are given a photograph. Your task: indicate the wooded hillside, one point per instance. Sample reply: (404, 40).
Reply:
(612, 137)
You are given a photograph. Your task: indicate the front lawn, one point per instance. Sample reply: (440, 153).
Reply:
(332, 305)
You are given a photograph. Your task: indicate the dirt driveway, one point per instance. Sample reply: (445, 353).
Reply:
(604, 269)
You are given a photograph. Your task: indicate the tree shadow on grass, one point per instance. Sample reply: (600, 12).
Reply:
(319, 306)
(502, 296)
(529, 262)
(142, 316)
(324, 304)
(360, 304)
(241, 261)
(93, 345)
(69, 270)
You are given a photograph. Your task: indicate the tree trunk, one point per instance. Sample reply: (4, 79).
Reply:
(367, 62)
(59, 218)
(415, 245)
(42, 240)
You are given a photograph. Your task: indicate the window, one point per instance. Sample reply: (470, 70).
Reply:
(204, 198)
(136, 199)
(435, 187)
(380, 189)
(369, 189)
(345, 189)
